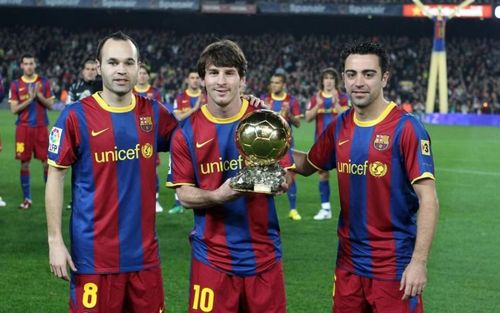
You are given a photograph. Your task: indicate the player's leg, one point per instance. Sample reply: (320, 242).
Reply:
(213, 291)
(97, 293)
(348, 294)
(292, 200)
(265, 292)
(385, 297)
(24, 150)
(41, 136)
(324, 192)
(145, 292)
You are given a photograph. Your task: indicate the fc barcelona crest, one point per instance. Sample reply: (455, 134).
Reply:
(146, 123)
(381, 142)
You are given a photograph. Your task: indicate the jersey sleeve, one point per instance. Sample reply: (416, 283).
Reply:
(311, 104)
(166, 126)
(294, 107)
(415, 146)
(322, 154)
(13, 94)
(64, 140)
(47, 90)
(181, 171)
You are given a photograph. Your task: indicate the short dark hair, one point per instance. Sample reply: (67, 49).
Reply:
(281, 75)
(120, 36)
(26, 56)
(329, 71)
(367, 47)
(224, 53)
(146, 68)
(88, 61)
(192, 70)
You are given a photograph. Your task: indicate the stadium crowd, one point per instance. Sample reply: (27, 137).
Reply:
(357, 1)
(473, 79)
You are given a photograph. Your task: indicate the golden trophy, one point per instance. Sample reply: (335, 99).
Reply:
(263, 137)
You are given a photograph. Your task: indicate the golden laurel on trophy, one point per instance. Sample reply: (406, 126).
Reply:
(263, 137)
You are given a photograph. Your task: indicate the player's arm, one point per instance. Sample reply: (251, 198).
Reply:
(15, 106)
(46, 102)
(71, 95)
(196, 198)
(414, 277)
(302, 164)
(313, 107)
(59, 256)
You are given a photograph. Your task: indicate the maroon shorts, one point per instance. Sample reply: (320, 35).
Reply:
(138, 292)
(358, 294)
(217, 292)
(31, 140)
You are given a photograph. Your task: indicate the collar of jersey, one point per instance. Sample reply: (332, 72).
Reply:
(278, 98)
(107, 107)
(217, 120)
(189, 93)
(28, 81)
(139, 89)
(325, 96)
(391, 105)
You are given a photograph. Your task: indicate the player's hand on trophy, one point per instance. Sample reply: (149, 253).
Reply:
(59, 259)
(255, 101)
(225, 193)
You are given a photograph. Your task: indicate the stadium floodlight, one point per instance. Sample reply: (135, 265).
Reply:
(438, 57)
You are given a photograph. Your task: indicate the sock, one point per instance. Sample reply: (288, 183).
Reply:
(292, 195)
(177, 202)
(324, 191)
(25, 183)
(325, 206)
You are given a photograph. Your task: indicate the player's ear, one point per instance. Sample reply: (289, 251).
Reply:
(98, 67)
(385, 78)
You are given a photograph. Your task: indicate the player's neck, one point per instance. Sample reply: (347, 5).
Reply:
(193, 92)
(327, 93)
(114, 100)
(29, 77)
(279, 94)
(224, 111)
(142, 87)
(372, 111)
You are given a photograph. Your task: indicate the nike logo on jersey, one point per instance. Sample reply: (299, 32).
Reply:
(343, 142)
(94, 133)
(199, 145)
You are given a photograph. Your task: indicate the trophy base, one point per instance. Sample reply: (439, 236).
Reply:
(259, 179)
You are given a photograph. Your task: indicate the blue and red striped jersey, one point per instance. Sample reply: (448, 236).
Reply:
(187, 100)
(150, 92)
(377, 162)
(327, 112)
(286, 105)
(35, 114)
(112, 152)
(241, 237)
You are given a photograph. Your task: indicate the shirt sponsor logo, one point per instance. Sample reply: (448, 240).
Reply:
(116, 155)
(55, 139)
(381, 142)
(376, 169)
(221, 166)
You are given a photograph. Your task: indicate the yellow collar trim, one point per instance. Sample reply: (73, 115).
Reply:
(97, 97)
(324, 95)
(274, 97)
(391, 105)
(28, 81)
(217, 120)
(137, 88)
(196, 94)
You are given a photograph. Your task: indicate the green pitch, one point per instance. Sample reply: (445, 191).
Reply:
(463, 268)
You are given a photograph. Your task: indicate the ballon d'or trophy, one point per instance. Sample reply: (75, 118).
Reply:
(263, 137)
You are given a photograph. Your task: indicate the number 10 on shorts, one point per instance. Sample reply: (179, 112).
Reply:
(203, 299)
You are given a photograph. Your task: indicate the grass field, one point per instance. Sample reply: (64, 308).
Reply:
(464, 267)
